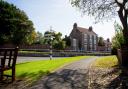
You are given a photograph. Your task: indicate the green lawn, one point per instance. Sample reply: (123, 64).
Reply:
(32, 71)
(106, 62)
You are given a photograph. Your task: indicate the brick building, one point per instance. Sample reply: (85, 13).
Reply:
(108, 45)
(83, 39)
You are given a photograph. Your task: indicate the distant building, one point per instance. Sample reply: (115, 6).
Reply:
(83, 39)
(107, 45)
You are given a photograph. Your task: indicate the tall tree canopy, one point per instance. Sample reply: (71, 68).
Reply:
(101, 41)
(39, 38)
(56, 40)
(67, 40)
(15, 26)
(104, 9)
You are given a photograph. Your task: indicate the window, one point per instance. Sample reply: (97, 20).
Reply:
(95, 37)
(95, 41)
(90, 47)
(85, 47)
(85, 40)
(90, 41)
(85, 43)
(85, 36)
(94, 47)
(74, 42)
(90, 36)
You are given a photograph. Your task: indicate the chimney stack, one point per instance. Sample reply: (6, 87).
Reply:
(75, 26)
(90, 28)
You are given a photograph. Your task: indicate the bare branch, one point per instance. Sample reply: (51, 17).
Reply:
(118, 3)
(100, 9)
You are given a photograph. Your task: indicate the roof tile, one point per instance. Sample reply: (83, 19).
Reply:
(85, 30)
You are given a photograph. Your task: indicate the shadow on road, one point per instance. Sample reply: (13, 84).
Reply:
(120, 82)
(65, 79)
(109, 79)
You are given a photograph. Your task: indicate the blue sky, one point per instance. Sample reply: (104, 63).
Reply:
(61, 16)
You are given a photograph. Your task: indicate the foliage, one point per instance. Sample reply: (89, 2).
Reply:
(67, 40)
(118, 39)
(39, 38)
(54, 39)
(106, 62)
(48, 36)
(104, 9)
(58, 43)
(100, 9)
(15, 26)
(114, 51)
(101, 41)
(42, 67)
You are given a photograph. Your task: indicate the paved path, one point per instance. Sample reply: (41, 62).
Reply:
(72, 76)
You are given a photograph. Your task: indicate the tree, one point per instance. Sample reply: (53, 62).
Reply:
(67, 40)
(59, 45)
(15, 26)
(56, 42)
(101, 41)
(118, 39)
(104, 9)
(39, 38)
(30, 38)
(47, 37)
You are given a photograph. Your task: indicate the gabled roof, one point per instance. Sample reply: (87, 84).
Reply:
(85, 30)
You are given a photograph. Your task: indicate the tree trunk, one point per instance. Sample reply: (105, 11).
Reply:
(124, 50)
(124, 46)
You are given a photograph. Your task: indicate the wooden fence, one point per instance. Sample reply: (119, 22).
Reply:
(61, 53)
(44, 51)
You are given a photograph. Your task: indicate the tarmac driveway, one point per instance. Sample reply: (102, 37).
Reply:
(72, 76)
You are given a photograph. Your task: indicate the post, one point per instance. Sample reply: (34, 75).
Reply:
(51, 51)
(51, 38)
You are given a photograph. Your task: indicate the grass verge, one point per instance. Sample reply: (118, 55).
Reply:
(31, 71)
(106, 62)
